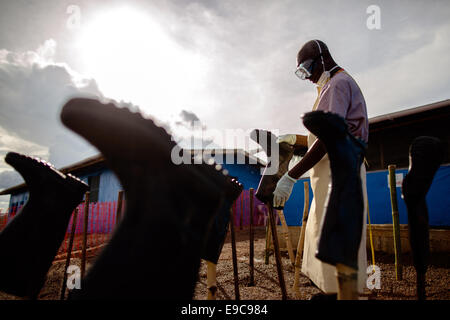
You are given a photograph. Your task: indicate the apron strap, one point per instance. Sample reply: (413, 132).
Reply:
(319, 90)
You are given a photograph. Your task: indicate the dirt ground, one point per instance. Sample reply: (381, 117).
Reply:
(266, 279)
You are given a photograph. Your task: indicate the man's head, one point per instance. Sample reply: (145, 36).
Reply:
(314, 58)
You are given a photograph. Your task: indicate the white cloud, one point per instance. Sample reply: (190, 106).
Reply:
(9, 178)
(33, 90)
(20, 145)
(10, 142)
(416, 78)
(252, 48)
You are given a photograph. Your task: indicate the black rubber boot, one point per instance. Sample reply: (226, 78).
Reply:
(342, 224)
(269, 180)
(218, 232)
(425, 156)
(155, 252)
(29, 243)
(219, 228)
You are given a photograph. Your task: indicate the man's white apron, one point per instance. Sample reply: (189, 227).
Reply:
(322, 274)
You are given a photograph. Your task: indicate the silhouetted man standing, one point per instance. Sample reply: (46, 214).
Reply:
(337, 93)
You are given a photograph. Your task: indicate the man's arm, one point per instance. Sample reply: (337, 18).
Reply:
(286, 183)
(336, 99)
(312, 156)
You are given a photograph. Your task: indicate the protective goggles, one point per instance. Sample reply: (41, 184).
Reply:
(304, 70)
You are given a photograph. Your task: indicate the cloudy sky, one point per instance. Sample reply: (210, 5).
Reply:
(205, 64)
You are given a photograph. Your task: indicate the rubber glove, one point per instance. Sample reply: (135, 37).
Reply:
(289, 138)
(283, 190)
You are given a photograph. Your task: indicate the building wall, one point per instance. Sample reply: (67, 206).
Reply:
(437, 198)
(247, 174)
(18, 200)
(380, 202)
(389, 140)
(293, 209)
(109, 187)
(377, 187)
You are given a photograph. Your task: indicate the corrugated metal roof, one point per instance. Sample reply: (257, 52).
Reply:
(408, 112)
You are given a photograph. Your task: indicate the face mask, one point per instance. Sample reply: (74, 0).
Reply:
(304, 70)
(324, 77)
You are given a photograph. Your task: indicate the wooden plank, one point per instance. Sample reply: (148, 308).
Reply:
(277, 254)
(69, 253)
(234, 254)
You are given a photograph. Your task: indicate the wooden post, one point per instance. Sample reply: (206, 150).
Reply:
(241, 217)
(395, 223)
(234, 254)
(69, 253)
(85, 231)
(268, 237)
(287, 238)
(252, 245)
(347, 279)
(211, 280)
(119, 207)
(276, 249)
(301, 239)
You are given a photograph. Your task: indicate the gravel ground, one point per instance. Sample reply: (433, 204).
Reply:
(266, 280)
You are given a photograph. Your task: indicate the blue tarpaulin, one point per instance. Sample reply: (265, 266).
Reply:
(438, 199)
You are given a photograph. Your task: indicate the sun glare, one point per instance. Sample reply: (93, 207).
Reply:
(132, 59)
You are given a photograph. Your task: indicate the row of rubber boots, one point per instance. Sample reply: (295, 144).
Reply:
(175, 214)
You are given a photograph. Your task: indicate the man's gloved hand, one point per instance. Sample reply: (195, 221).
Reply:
(283, 190)
(289, 138)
